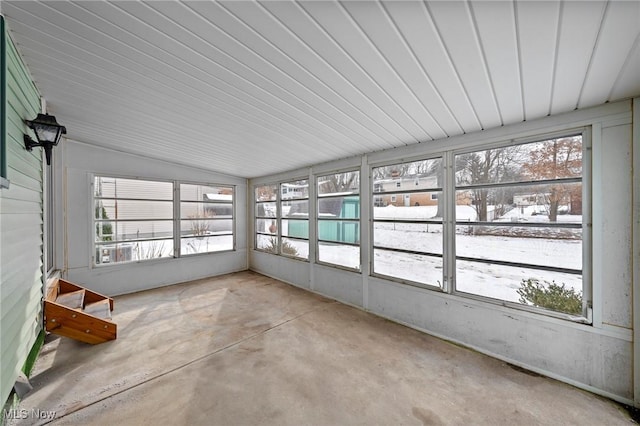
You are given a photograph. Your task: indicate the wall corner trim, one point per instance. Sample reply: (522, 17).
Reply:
(635, 271)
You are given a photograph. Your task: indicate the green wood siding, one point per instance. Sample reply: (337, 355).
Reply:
(21, 225)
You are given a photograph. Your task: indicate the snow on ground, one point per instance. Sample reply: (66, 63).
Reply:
(502, 282)
(490, 280)
(206, 244)
(347, 256)
(421, 212)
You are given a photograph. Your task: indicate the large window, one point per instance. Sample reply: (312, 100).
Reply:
(519, 223)
(266, 207)
(206, 218)
(136, 220)
(294, 223)
(407, 221)
(507, 224)
(339, 219)
(282, 218)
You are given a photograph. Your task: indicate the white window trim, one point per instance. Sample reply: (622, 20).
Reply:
(317, 221)
(175, 221)
(178, 220)
(587, 283)
(403, 281)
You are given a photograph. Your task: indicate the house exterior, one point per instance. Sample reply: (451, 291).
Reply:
(385, 188)
(23, 250)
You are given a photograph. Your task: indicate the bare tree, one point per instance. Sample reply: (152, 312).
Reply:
(485, 167)
(559, 158)
(341, 182)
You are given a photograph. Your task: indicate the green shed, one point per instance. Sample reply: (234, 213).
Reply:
(331, 227)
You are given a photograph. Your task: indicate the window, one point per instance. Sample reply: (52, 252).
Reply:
(266, 218)
(408, 238)
(136, 220)
(519, 223)
(294, 211)
(133, 218)
(206, 218)
(339, 219)
(282, 223)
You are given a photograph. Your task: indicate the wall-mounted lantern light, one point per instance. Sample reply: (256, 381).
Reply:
(48, 132)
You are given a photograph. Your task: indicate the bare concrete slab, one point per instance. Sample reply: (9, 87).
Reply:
(246, 349)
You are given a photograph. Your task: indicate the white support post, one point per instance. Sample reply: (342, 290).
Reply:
(313, 227)
(448, 221)
(597, 220)
(365, 229)
(635, 152)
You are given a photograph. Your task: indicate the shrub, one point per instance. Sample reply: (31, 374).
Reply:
(287, 247)
(550, 295)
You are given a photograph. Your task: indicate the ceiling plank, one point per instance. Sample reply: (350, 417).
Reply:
(620, 28)
(497, 33)
(456, 28)
(537, 33)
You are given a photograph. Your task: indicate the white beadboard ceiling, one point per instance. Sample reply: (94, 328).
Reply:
(253, 88)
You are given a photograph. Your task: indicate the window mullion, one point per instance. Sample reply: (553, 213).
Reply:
(587, 226)
(177, 221)
(279, 219)
(448, 223)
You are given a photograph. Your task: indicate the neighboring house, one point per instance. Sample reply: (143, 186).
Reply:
(384, 191)
(289, 191)
(571, 202)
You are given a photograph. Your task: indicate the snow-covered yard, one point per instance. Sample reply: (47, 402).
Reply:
(560, 248)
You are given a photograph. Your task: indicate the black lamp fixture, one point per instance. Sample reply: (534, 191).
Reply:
(48, 132)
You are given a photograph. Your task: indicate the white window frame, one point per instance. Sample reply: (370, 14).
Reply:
(318, 220)
(393, 197)
(281, 189)
(587, 285)
(275, 218)
(448, 223)
(176, 220)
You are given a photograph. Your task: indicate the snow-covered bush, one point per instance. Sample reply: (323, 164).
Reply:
(551, 296)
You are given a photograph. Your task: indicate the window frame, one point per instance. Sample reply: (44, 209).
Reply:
(178, 215)
(393, 193)
(585, 225)
(319, 220)
(175, 221)
(279, 218)
(275, 218)
(282, 218)
(447, 195)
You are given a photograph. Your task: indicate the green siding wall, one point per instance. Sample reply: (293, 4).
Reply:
(21, 227)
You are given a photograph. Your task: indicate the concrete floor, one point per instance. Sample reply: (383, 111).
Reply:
(244, 349)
